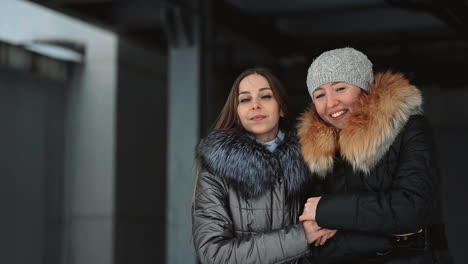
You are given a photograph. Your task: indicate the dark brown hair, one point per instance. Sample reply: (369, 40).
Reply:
(228, 119)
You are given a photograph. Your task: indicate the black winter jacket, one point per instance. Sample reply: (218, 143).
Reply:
(378, 171)
(248, 200)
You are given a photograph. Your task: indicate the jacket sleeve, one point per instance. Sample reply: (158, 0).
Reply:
(347, 246)
(214, 238)
(403, 208)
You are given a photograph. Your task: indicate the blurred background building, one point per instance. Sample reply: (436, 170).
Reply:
(103, 101)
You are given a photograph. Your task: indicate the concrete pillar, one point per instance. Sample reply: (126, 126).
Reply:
(183, 132)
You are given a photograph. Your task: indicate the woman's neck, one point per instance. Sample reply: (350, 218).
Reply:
(268, 136)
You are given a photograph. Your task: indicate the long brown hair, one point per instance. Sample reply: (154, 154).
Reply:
(228, 119)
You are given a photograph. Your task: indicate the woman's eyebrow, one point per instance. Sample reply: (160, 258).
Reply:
(261, 89)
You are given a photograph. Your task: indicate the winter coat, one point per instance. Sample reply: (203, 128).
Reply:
(248, 199)
(378, 171)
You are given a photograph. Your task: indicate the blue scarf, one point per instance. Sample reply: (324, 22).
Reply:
(271, 145)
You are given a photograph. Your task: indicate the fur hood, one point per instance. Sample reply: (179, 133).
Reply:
(368, 133)
(250, 166)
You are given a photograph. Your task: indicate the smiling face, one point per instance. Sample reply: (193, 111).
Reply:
(336, 101)
(258, 110)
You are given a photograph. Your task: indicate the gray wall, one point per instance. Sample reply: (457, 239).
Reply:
(31, 136)
(87, 119)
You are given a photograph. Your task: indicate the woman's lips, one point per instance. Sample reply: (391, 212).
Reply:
(338, 115)
(258, 118)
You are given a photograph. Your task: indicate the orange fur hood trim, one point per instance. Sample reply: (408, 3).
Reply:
(368, 133)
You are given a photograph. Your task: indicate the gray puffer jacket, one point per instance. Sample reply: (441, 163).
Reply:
(248, 199)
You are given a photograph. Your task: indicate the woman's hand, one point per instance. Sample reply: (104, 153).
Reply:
(321, 240)
(316, 233)
(310, 209)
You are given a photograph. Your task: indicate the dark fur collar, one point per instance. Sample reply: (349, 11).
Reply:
(368, 134)
(249, 166)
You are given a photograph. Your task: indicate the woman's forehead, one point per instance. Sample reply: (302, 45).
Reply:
(253, 82)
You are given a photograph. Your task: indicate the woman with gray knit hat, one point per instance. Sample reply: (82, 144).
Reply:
(366, 140)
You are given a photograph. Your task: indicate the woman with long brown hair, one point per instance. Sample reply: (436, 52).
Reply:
(249, 187)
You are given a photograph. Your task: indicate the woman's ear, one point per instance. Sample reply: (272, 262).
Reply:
(281, 113)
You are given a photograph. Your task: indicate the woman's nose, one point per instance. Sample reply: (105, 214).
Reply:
(255, 105)
(331, 101)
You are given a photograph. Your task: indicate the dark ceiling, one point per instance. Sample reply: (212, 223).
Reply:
(426, 32)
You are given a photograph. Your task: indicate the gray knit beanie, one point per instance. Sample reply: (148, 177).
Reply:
(340, 65)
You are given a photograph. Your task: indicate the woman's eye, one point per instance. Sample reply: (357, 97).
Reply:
(319, 96)
(339, 89)
(267, 96)
(244, 100)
